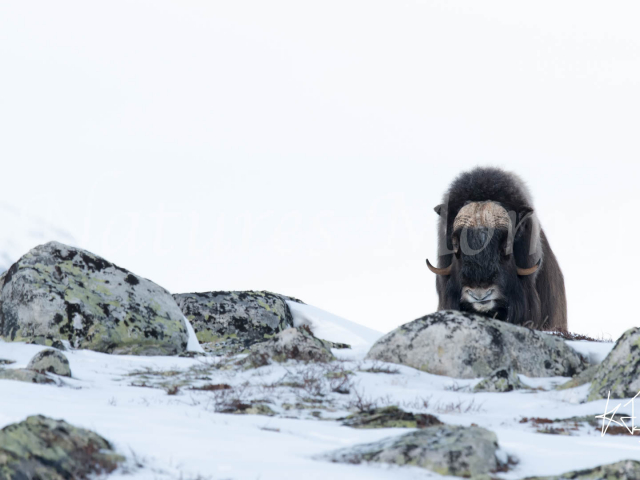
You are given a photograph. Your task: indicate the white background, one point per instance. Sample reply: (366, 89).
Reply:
(300, 147)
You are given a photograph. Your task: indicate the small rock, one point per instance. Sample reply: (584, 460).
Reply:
(290, 344)
(464, 345)
(445, 449)
(230, 322)
(240, 408)
(58, 345)
(43, 448)
(390, 417)
(623, 470)
(50, 361)
(619, 372)
(502, 380)
(24, 375)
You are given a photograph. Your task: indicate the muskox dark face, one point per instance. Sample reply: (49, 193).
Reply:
(483, 276)
(484, 271)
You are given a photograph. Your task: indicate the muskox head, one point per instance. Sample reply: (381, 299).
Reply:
(483, 273)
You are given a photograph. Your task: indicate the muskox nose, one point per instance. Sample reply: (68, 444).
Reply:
(480, 294)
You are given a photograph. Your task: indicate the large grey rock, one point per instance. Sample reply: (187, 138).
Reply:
(50, 361)
(230, 322)
(57, 292)
(43, 448)
(290, 344)
(622, 470)
(445, 449)
(619, 372)
(464, 345)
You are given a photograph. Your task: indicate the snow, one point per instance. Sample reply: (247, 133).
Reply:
(595, 352)
(192, 344)
(183, 436)
(331, 327)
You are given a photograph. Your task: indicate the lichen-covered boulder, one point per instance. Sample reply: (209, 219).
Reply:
(50, 361)
(622, 470)
(502, 380)
(290, 344)
(230, 322)
(463, 345)
(390, 417)
(57, 292)
(445, 449)
(619, 372)
(40, 447)
(24, 375)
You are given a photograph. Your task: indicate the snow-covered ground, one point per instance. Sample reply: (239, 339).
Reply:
(183, 435)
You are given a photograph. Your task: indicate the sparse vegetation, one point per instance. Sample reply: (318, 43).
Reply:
(379, 367)
(566, 335)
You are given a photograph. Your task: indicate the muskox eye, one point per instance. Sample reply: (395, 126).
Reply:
(455, 244)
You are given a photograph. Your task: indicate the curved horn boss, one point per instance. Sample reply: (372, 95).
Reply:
(494, 256)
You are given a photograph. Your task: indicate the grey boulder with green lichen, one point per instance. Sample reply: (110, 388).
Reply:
(463, 345)
(43, 448)
(444, 449)
(619, 372)
(50, 361)
(500, 381)
(230, 322)
(57, 292)
(291, 344)
(622, 470)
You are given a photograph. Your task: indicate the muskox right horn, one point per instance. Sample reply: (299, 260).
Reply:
(439, 271)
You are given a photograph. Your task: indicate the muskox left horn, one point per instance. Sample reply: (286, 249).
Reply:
(439, 271)
(527, 271)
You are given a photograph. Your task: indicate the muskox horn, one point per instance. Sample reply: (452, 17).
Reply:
(439, 271)
(526, 271)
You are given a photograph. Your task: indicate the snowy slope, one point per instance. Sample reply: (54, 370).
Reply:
(331, 327)
(182, 436)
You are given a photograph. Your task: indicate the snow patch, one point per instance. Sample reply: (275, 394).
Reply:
(328, 326)
(193, 345)
(594, 352)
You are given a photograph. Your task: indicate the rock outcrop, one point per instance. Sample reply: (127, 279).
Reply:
(230, 322)
(40, 447)
(463, 345)
(445, 449)
(57, 292)
(619, 372)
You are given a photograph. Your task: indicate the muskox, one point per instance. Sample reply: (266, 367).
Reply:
(493, 257)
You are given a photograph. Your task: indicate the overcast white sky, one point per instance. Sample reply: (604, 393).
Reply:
(300, 146)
